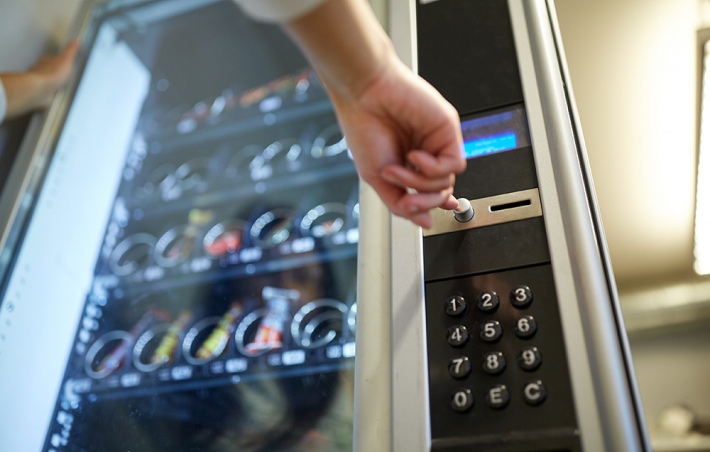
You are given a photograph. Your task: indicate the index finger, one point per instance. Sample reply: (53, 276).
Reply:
(435, 166)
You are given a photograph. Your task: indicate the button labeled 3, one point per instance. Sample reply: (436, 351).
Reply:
(521, 297)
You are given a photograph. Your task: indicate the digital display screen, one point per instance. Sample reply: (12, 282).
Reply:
(496, 132)
(186, 281)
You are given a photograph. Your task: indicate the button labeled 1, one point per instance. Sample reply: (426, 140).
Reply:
(462, 400)
(455, 306)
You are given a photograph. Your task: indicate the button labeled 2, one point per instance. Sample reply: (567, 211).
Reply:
(487, 301)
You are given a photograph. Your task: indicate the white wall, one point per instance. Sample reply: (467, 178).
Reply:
(633, 69)
(30, 27)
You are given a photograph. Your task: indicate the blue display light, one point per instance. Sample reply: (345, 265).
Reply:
(489, 145)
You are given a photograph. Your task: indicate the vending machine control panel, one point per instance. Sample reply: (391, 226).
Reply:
(498, 370)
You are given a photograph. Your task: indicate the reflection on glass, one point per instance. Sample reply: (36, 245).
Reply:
(221, 313)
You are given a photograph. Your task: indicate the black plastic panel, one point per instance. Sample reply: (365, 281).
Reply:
(495, 174)
(466, 51)
(487, 249)
(555, 417)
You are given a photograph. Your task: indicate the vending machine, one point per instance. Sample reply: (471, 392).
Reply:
(186, 250)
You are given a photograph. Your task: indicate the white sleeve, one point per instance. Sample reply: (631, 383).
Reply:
(277, 10)
(3, 102)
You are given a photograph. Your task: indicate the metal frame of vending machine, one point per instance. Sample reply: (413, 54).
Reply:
(505, 330)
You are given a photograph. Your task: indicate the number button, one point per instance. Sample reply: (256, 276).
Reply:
(462, 400)
(525, 327)
(455, 306)
(521, 297)
(460, 367)
(491, 331)
(498, 397)
(493, 362)
(534, 393)
(487, 301)
(458, 335)
(530, 359)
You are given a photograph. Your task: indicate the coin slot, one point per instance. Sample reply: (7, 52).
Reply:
(510, 205)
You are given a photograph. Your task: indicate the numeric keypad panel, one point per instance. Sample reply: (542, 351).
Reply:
(493, 352)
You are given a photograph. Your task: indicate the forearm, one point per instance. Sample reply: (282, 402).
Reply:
(344, 43)
(25, 92)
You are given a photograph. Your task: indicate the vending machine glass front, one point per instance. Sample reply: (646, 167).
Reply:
(185, 280)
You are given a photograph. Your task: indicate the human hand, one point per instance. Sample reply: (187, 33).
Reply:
(404, 135)
(53, 72)
(35, 88)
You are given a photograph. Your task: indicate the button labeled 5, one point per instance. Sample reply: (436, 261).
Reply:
(491, 331)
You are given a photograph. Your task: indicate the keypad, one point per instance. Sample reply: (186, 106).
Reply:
(493, 362)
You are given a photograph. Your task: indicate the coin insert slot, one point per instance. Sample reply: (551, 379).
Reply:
(510, 205)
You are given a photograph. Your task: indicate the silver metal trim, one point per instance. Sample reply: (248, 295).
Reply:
(125, 269)
(192, 334)
(27, 171)
(603, 402)
(601, 235)
(142, 342)
(117, 335)
(304, 337)
(241, 330)
(443, 221)
(410, 418)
